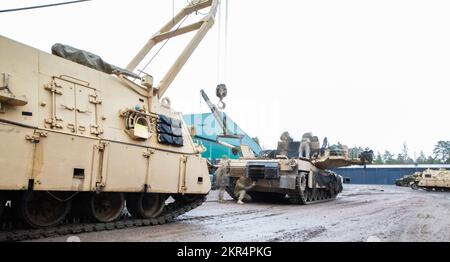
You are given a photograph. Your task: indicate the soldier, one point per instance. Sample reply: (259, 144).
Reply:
(314, 146)
(222, 174)
(240, 190)
(366, 156)
(324, 146)
(286, 137)
(305, 149)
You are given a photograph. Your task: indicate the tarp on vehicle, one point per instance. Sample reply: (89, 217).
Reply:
(88, 59)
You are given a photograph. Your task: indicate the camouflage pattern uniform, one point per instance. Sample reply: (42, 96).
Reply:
(240, 190)
(286, 137)
(305, 148)
(222, 175)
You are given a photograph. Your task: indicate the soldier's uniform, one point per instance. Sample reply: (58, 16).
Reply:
(305, 147)
(222, 175)
(240, 190)
(286, 137)
(324, 146)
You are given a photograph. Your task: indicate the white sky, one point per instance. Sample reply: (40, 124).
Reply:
(368, 73)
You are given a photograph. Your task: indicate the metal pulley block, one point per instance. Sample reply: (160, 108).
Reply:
(221, 93)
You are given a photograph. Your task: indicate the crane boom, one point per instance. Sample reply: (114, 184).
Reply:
(202, 27)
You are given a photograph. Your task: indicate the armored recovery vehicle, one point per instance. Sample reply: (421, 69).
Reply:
(283, 173)
(80, 138)
(430, 179)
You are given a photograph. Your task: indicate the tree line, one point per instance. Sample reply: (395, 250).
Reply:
(440, 155)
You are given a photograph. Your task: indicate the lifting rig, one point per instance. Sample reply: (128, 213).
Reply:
(245, 150)
(219, 116)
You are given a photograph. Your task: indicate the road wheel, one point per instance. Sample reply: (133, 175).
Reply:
(299, 195)
(414, 186)
(321, 194)
(105, 207)
(325, 194)
(318, 192)
(309, 195)
(145, 205)
(315, 194)
(41, 210)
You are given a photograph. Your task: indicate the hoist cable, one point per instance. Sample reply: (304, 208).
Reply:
(225, 43)
(219, 42)
(173, 12)
(222, 42)
(41, 6)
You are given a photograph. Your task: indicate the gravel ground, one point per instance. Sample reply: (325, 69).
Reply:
(360, 213)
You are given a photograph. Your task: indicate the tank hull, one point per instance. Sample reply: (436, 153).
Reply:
(438, 180)
(296, 180)
(85, 148)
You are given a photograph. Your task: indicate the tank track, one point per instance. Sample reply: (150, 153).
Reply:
(297, 196)
(171, 211)
(429, 189)
(306, 196)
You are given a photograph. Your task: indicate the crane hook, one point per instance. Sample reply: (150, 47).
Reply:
(221, 93)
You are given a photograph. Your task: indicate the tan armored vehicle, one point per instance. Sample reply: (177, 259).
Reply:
(408, 179)
(284, 172)
(82, 137)
(430, 179)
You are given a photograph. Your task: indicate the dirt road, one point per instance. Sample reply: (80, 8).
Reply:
(360, 213)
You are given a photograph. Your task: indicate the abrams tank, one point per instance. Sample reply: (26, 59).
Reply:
(82, 139)
(430, 179)
(285, 173)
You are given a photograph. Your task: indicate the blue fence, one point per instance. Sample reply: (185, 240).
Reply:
(381, 174)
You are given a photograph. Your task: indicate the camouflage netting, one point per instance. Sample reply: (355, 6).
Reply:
(88, 59)
(336, 150)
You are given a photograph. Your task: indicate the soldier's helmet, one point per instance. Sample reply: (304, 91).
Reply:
(307, 137)
(286, 137)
